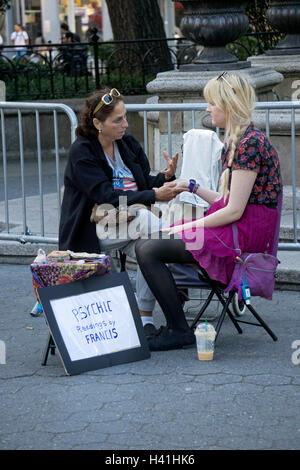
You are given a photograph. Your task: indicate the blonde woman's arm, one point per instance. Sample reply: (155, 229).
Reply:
(242, 182)
(208, 195)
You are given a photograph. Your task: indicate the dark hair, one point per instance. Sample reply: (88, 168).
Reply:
(64, 26)
(86, 127)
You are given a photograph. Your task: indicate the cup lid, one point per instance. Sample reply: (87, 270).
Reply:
(205, 327)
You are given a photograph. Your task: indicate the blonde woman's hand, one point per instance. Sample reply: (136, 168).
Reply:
(180, 228)
(173, 230)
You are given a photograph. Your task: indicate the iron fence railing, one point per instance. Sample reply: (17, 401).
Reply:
(44, 203)
(54, 71)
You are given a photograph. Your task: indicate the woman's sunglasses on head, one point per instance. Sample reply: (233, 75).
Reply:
(221, 76)
(107, 99)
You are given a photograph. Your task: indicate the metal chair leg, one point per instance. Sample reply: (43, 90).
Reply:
(262, 323)
(222, 316)
(204, 307)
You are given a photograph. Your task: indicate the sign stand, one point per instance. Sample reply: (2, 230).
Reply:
(94, 323)
(50, 347)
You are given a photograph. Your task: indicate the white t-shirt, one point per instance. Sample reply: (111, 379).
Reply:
(19, 39)
(122, 176)
(1, 40)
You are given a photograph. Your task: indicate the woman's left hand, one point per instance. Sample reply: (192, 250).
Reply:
(171, 165)
(173, 230)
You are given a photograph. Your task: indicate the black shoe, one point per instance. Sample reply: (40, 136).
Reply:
(149, 330)
(166, 339)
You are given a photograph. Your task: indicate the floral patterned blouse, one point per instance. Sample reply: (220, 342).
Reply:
(256, 153)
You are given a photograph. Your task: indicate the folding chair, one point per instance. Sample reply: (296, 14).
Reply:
(195, 276)
(188, 277)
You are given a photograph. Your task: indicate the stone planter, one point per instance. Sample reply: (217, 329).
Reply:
(284, 16)
(211, 24)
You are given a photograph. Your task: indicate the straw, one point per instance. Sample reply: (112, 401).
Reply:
(205, 322)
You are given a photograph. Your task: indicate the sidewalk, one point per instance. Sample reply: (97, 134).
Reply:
(246, 398)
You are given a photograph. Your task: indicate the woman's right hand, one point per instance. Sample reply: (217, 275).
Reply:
(170, 189)
(165, 192)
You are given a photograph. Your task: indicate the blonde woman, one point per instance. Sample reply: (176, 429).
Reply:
(250, 185)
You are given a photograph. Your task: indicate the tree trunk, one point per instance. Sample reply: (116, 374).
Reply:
(139, 19)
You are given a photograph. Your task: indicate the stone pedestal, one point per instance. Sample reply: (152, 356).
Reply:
(187, 87)
(2, 91)
(289, 67)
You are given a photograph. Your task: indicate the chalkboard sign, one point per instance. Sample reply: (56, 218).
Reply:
(95, 322)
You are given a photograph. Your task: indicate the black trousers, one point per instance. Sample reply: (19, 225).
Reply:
(152, 256)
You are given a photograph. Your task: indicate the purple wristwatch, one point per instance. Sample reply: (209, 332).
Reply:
(192, 186)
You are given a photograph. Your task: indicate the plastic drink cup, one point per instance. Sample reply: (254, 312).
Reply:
(205, 337)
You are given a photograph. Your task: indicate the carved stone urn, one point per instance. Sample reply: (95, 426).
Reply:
(213, 24)
(284, 16)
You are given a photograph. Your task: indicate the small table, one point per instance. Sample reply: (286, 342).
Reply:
(53, 273)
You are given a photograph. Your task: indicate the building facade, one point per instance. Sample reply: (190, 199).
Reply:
(43, 17)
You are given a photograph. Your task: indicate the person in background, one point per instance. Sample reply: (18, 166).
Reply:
(19, 38)
(250, 186)
(75, 56)
(67, 35)
(104, 164)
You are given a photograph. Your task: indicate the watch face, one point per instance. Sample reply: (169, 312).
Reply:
(191, 185)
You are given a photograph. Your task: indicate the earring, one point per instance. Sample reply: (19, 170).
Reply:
(99, 130)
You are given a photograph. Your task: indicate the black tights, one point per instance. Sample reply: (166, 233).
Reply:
(152, 256)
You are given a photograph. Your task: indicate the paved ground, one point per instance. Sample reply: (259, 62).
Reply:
(247, 398)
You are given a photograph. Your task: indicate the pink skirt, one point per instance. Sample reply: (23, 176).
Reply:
(216, 252)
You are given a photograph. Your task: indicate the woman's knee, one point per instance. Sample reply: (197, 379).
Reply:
(140, 248)
(148, 250)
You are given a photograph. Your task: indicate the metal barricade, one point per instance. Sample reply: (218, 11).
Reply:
(143, 109)
(36, 108)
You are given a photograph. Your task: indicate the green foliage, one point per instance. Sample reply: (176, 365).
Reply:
(260, 37)
(256, 12)
(127, 84)
(33, 81)
(105, 50)
(245, 47)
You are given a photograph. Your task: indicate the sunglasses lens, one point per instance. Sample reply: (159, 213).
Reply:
(107, 99)
(114, 92)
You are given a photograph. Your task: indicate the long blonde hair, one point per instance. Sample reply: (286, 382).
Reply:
(236, 98)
